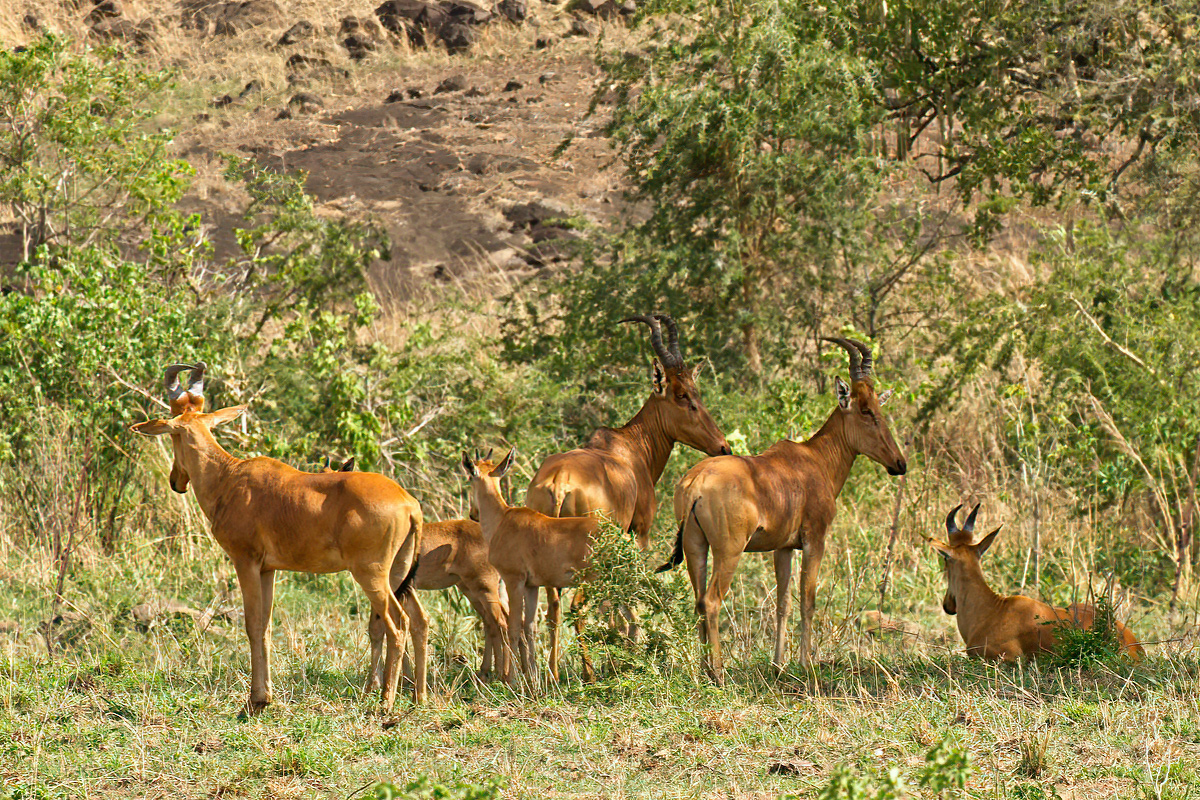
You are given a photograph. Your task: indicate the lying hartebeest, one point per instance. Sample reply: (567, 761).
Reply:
(616, 471)
(529, 550)
(996, 627)
(778, 501)
(453, 553)
(268, 516)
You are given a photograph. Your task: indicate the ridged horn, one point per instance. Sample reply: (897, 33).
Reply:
(665, 356)
(672, 335)
(860, 356)
(951, 525)
(171, 379)
(969, 527)
(196, 379)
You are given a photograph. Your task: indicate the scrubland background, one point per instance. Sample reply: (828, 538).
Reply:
(429, 251)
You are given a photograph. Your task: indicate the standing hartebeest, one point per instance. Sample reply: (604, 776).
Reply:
(268, 516)
(777, 501)
(529, 549)
(616, 471)
(996, 627)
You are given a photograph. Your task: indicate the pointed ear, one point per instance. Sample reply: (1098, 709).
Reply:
(155, 427)
(660, 378)
(943, 549)
(505, 465)
(326, 464)
(885, 395)
(224, 415)
(348, 466)
(469, 466)
(696, 370)
(986, 542)
(843, 393)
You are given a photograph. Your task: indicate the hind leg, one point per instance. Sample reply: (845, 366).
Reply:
(374, 582)
(554, 622)
(375, 631)
(529, 635)
(418, 622)
(515, 648)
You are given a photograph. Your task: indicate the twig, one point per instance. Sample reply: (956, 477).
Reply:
(136, 389)
(1114, 345)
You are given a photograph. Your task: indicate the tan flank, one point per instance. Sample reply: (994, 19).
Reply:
(616, 471)
(780, 500)
(530, 550)
(998, 627)
(268, 516)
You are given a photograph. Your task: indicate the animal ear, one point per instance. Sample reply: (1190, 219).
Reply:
(943, 549)
(155, 427)
(505, 465)
(348, 466)
(986, 542)
(326, 464)
(885, 395)
(224, 415)
(843, 393)
(469, 466)
(696, 370)
(660, 378)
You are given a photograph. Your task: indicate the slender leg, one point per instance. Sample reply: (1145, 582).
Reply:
(418, 622)
(251, 582)
(814, 548)
(267, 581)
(578, 601)
(783, 605)
(395, 623)
(695, 550)
(529, 634)
(554, 621)
(375, 630)
(724, 565)
(512, 655)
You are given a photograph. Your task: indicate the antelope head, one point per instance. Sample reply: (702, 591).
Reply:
(485, 476)
(960, 558)
(189, 436)
(866, 428)
(676, 399)
(327, 465)
(191, 398)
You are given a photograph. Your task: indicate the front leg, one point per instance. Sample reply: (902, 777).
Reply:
(783, 605)
(250, 579)
(267, 581)
(814, 548)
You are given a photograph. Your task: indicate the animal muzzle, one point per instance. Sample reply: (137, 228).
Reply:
(949, 606)
(180, 488)
(898, 468)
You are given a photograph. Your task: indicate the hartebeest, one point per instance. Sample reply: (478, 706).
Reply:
(780, 500)
(998, 627)
(190, 399)
(268, 516)
(529, 549)
(616, 471)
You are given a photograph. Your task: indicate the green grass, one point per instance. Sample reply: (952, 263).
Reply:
(125, 712)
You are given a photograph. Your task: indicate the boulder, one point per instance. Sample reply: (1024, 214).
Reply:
(583, 27)
(363, 26)
(455, 83)
(359, 46)
(597, 8)
(241, 17)
(514, 11)
(298, 32)
(105, 9)
(306, 103)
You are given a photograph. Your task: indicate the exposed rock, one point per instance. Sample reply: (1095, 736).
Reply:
(396, 96)
(467, 13)
(547, 78)
(600, 8)
(583, 27)
(306, 103)
(122, 30)
(514, 11)
(253, 87)
(628, 8)
(229, 18)
(359, 46)
(474, 91)
(415, 92)
(105, 9)
(458, 37)
(298, 32)
(221, 102)
(526, 215)
(543, 42)
(427, 16)
(546, 233)
(455, 83)
(32, 22)
(513, 86)
(300, 66)
(364, 26)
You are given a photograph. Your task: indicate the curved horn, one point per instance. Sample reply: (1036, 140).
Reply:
(656, 341)
(171, 379)
(867, 360)
(488, 457)
(951, 525)
(196, 379)
(969, 527)
(852, 350)
(672, 335)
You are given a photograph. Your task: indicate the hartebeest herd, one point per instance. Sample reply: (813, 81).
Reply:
(268, 516)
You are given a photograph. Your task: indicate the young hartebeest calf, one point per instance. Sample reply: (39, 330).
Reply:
(530, 550)
(617, 470)
(268, 516)
(778, 501)
(996, 627)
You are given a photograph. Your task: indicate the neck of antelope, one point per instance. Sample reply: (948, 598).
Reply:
(977, 602)
(834, 450)
(491, 505)
(648, 439)
(208, 467)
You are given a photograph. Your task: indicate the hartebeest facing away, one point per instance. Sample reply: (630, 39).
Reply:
(780, 500)
(268, 516)
(996, 627)
(530, 550)
(617, 470)
(453, 553)
(190, 399)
